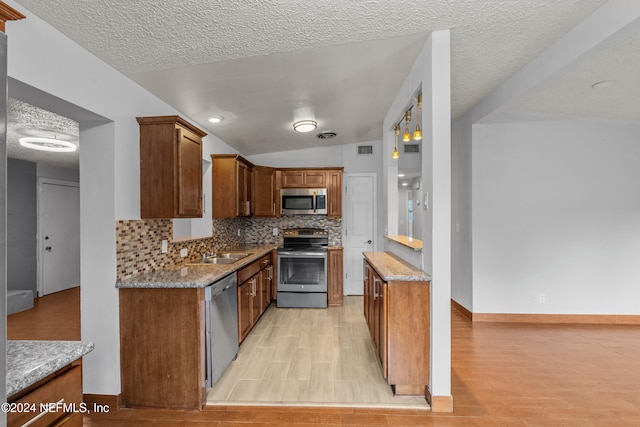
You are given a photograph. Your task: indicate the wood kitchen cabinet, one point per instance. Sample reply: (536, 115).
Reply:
(170, 168)
(397, 315)
(335, 273)
(64, 385)
(254, 293)
(162, 347)
(264, 191)
(303, 178)
(334, 193)
(232, 184)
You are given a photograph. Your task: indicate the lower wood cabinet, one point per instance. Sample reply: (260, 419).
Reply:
(162, 347)
(397, 315)
(335, 284)
(63, 387)
(254, 293)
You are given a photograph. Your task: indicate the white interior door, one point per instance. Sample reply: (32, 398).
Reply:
(360, 227)
(58, 236)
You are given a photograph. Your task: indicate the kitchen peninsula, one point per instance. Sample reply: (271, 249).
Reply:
(396, 307)
(163, 330)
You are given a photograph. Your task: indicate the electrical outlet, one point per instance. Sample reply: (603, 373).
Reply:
(239, 233)
(542, 298)
(183, 252)
(165, 246)
(275, 231)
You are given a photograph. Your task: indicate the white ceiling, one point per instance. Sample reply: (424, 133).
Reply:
(261, 63)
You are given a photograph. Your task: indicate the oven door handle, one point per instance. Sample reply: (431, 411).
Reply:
(303, 254)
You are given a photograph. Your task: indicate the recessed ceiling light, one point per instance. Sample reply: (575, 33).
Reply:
(48, 144)
(404, 184)
(400, 175)
(305, 125)
(602, 85)
(216, 119)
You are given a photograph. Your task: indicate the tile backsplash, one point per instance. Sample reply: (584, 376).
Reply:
(139, 242)
(260, 230)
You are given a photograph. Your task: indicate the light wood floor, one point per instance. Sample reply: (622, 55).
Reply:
(317, 356)
(502, 375)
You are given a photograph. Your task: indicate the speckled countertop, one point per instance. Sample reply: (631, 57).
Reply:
(390, 267)
(194, 276)
(30, 361)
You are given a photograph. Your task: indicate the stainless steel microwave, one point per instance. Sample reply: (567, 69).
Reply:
(303, 201)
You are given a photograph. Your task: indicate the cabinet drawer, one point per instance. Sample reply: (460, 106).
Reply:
(246, 272)
(265, 261)
(65, 389)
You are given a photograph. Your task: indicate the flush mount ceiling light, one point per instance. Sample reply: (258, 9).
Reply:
(47, 144)
(216, 119)
(305, 125)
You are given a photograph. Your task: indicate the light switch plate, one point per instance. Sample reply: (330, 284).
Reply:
(183, 252)
(165, 246)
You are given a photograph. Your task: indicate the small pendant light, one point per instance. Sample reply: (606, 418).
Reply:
(395, 146)
(407, 118)
(417, 135)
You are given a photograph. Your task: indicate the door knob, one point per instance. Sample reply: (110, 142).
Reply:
(48, 248)
(368, 242)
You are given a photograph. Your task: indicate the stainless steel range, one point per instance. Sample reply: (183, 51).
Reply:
(302, 268)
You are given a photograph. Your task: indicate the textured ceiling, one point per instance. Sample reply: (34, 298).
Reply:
(572, 92)
(259, 63)
(26, 120)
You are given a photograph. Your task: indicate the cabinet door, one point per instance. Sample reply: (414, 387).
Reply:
(265, 290)
(335, 277)
(243, 191)
(334, 194)
(245, 318)
(256, 304)
(189, 174)
(381, 328)
(292, 179)
(315, 179)
(264, 196)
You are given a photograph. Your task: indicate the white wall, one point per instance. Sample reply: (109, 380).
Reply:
(109, 169)
(430, 72)
(54, 172)
(556, 212)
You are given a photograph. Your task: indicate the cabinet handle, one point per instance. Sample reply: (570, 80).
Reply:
(42, 414)
(274, 208)
(375, 288)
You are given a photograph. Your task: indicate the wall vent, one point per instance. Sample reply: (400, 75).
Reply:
(411, 148)
(365, 150)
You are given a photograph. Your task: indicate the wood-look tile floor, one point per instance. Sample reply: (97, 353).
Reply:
(503, 374)
(309, 356)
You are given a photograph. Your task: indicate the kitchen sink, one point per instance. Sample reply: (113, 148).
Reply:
(222, 258)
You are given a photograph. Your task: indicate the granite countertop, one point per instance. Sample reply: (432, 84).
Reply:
(30, 361)
(194, 276)
(392, 268)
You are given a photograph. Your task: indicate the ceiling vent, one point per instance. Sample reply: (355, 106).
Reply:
(411, 148)
(365, 150)
(326, 135)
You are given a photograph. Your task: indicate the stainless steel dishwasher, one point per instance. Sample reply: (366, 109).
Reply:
(221, 315)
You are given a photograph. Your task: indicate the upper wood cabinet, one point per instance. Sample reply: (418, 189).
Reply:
(264, 191)
(232, 183)
(334, 193)
(170, 168)
(304, 178)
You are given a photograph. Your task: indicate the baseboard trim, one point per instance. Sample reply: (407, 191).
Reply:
(112, 402)
(439, 403)
(466, 313)
(600, 319)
